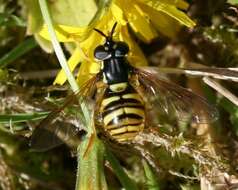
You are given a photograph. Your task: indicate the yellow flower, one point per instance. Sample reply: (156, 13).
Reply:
(147, 18)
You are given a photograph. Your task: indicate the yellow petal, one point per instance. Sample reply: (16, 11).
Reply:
(73, 61)
(66, 33)
(173, 12)
(87, 69)
(118, 14)
(90, 44)
(109, 19)
(178, 3)
(182, 4)
(136, 56)
(167, 25)
(137, 20)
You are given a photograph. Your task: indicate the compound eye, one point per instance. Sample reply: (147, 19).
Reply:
(121, 49)
(100, 53)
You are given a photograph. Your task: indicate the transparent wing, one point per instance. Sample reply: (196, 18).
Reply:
(63, 124)
(216, 73)
(168, 99)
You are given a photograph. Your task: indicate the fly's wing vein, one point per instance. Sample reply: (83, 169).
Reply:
(65, 122)
(216, 73)
(172, 100)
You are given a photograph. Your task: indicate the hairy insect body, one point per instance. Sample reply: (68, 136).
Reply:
(127, 100)
(122, 110)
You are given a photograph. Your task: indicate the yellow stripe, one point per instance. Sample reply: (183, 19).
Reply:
(126, 121)
(135, 128)
(107, 101)
(119, 87)
(112, 115)
(118, 131)
(126, 129)
(135, 111)
(132, 96)
(125, 136)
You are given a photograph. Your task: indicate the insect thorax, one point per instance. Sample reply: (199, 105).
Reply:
(115, 70)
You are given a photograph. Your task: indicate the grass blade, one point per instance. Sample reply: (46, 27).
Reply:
(17, 118)
(90, 172)
(17, 52)
(127, 183)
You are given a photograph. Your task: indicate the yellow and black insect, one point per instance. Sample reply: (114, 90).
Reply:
(126, 100)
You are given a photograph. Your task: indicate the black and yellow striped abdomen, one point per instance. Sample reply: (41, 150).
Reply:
(122, 111)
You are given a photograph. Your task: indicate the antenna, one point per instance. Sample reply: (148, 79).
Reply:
(113, 30)
(111, 33)
(100, 32)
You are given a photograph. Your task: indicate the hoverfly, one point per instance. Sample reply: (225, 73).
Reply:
(124, 99)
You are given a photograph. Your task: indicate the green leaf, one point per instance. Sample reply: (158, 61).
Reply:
(234, 2)
(35, 20)
(16, 118)
(18, 51)
(11, 20)
(233, 110)
(127, 183)
(151, 180)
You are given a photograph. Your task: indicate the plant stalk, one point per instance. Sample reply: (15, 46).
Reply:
(90, 171)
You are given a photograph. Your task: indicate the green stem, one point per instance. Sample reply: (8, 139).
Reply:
(58, 50)
(60, 55)
(90, 172)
